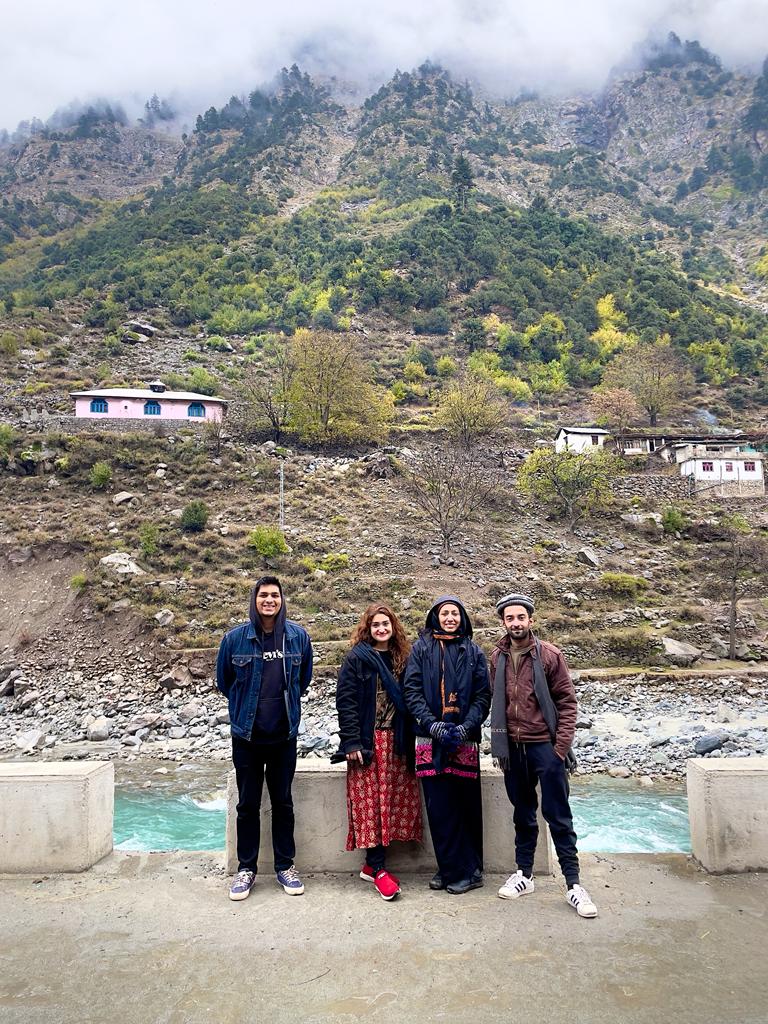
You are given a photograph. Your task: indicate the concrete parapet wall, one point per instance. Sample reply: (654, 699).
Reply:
(55, 816)
(320, 805)
(728, 813)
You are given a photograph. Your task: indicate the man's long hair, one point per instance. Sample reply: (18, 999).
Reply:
(399, 644)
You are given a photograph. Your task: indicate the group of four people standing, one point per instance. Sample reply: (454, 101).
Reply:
(406, 714)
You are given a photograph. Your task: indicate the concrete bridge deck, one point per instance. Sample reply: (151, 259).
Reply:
(153, 939)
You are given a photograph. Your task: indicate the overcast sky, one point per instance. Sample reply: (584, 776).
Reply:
(201, 51)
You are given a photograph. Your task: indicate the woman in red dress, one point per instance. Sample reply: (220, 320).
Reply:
(383, 800)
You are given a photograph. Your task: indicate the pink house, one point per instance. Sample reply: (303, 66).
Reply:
(154, 401)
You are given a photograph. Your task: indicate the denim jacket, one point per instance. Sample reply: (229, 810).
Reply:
(239, 667)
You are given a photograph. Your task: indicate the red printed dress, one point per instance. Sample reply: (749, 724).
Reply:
(383, 799)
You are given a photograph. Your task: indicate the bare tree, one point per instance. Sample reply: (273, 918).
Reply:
(451, 485)
(654, 373)
(742, 560)
(617, 409)
(267, 387)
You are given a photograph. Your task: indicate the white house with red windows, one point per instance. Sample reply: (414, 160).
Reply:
(154, 402)
(721, 470)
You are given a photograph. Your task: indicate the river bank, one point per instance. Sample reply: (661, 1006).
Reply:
(628, 725)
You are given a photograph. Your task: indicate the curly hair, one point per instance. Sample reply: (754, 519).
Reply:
(399, 644)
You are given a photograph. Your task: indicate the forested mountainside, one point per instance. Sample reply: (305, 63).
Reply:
(541, 238)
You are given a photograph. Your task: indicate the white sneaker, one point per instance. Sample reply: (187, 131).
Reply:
(581, 901)
(516, 885)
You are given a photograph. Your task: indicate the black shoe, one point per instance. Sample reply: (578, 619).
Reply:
(464, 885)
(477, 875)
(436, 882)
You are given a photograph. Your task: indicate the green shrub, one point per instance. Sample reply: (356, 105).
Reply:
(334, 562)
(79, 581)
(622, 583)
(149, 539)
(100, 475)
(9, 344)
(195, 516)
(7, 438)
(268, 541)
(673, 520)
(633, 647)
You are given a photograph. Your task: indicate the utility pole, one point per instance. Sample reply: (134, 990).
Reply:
(282, 495)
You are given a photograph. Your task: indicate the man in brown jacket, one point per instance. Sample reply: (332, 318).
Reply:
(533, 721)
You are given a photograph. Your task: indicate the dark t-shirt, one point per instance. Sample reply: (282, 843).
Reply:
(271, 722)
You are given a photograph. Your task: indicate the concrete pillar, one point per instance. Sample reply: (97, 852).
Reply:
(320, 804)
(728, 813)
(55, 816)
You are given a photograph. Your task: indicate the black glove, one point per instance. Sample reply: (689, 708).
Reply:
(440, 731)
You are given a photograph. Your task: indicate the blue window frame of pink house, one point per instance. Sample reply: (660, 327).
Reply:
(151, 408)
(196, 409)
(99, 405)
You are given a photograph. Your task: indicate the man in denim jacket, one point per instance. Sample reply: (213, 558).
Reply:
(263, 668)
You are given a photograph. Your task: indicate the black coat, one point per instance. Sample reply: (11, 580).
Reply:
(422, 685)
(356, 706)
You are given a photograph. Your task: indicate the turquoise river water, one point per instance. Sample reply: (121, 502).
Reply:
(187, 811)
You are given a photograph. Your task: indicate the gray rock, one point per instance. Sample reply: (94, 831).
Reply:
(709, 742)
(99, 729)
(587, 556)
(178, 732)
(121, 563)
(164, 617)
(18, 556)
(121, 497)
(192, 709)
(619, 771)
(571, 600)
(170, 682)
(725, 714)
(680, 653)
(33, 739)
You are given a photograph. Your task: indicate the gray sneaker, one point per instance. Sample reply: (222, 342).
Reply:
(241, 885)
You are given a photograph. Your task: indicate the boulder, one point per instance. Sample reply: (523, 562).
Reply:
(30, 697)
(679, 652)
(587, 556)
(121, 563)
(619, 771)
(164, 617)
(570, 599)
(18, 556)
(99, 729)
(33, 739)
(725, 713)
(709, 742)
(192, 709)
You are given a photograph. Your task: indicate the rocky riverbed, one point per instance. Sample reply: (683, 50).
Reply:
(641, 725)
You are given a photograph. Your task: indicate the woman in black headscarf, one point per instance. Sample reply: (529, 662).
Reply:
(448, 693)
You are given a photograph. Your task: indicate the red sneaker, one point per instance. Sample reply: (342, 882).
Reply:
(387, 885)
(368, 874)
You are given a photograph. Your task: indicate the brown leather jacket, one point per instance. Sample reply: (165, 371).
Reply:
(525, 722)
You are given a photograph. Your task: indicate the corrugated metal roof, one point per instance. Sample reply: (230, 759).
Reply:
(179, 396)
